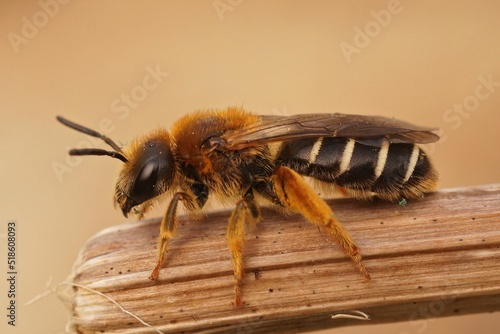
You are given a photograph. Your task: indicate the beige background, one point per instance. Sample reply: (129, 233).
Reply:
(272, 57)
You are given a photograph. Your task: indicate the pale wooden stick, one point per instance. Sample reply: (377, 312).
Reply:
(436, 256)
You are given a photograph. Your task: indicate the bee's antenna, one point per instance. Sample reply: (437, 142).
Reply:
(89, 132)
(97, 151)
(118, 153)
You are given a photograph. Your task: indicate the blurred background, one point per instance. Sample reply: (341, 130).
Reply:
(126, 67)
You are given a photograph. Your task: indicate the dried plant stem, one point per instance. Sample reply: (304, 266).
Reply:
(437, 256)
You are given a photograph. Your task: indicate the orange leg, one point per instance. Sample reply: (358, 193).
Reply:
(297, 195)
(246, 211)
(167, 230)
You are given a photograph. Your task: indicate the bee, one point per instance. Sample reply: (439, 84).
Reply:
(241, 157)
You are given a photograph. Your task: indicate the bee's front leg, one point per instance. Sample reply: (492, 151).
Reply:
(167, 229)
(246, 211)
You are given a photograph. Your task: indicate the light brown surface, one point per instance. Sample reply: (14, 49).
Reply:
(279, 57)
(434, 257)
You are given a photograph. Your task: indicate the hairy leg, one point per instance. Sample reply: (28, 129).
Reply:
(167, 230)
(246, 212)
(297, 195)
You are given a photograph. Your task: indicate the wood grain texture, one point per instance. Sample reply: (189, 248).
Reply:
(436, 256)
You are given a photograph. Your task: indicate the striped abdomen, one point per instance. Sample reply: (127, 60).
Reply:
(390, 171)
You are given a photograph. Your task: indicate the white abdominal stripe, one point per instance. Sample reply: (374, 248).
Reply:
(385, 169)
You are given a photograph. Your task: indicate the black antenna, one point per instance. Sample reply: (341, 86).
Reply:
(97, 151)
(118, 153)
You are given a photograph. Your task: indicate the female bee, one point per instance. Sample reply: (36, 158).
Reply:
(236, 155)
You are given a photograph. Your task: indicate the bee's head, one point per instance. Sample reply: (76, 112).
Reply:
(149, 171)
(149, 165)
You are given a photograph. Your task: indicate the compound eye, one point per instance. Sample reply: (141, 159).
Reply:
(145, 182)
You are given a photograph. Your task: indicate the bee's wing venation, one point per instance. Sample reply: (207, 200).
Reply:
(370, 130)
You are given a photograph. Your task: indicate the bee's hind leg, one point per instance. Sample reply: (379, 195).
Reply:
(298, 196)
(246, 211)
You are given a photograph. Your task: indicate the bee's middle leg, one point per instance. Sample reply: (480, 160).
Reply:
(297, 195)
(246, 211)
